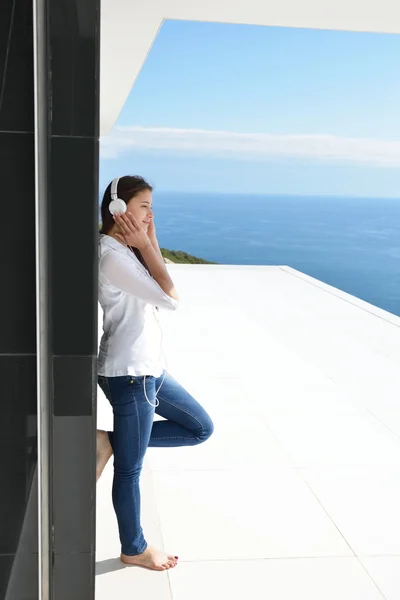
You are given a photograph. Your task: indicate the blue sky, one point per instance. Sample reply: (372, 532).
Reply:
(246, 109)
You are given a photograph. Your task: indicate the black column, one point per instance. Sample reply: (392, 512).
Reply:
(18, 444)
(73, 217)
(73, 68)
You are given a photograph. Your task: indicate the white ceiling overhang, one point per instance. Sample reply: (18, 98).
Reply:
(129, 28)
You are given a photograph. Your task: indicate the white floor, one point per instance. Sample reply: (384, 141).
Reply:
(297, 494)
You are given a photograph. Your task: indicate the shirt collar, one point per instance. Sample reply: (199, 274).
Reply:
(113, 243)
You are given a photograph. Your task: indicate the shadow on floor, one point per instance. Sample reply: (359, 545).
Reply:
(108, 566)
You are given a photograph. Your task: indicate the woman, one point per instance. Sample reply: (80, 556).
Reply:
(133, 284)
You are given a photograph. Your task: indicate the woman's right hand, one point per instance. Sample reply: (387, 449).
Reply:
(131, 233)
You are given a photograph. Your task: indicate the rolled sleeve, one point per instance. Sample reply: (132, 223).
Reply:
(125, 275)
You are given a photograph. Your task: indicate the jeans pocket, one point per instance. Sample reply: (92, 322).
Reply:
(143, 389)
(128, 390)
(137, 380)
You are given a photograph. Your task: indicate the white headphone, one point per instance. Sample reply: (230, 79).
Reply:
(117, 205)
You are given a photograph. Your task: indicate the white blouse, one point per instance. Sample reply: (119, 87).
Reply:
(128, 295)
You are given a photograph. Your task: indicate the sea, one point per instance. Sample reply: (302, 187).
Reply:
(350, 243)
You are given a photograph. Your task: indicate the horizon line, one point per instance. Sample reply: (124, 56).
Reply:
(283, 194)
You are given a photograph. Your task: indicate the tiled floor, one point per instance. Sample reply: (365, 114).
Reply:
(279, 579)
(296, 495)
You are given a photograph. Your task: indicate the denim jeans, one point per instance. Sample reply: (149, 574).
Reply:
(187, 424)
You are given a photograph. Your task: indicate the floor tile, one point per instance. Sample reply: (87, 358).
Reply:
(336, 440)
(239, 514)
(114, 580)
(385, 571)
(285, 579)
(364, 505)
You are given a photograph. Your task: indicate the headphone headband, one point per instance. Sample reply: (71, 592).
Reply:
(117, 205)
(114, 188)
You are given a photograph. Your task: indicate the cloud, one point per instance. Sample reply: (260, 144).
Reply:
(252, 146)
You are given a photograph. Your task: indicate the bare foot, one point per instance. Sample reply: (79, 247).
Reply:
(151, 558)
(104, 452)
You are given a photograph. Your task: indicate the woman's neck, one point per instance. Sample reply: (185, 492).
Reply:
(112, 233)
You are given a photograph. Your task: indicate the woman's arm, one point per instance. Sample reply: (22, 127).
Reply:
(134, 235)
(128, 276)
(151, 233)
(155, 262)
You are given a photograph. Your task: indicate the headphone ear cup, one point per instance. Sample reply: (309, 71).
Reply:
(117, 206)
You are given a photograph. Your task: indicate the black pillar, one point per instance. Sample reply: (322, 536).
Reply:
(18, 494)
(72, 216)
(73, 64)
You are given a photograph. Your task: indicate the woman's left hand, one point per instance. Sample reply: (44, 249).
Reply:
(130, 232)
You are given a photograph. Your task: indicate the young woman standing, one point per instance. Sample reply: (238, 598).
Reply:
(133, 284)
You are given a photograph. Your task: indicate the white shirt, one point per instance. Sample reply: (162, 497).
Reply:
(128, 295)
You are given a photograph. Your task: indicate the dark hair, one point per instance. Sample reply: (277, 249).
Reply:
(129, 186)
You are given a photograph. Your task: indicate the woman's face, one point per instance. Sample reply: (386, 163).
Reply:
(141, 208)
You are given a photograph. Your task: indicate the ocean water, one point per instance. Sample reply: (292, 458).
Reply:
(350, 243)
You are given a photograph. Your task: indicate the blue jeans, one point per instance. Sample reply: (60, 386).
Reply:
(187, 424)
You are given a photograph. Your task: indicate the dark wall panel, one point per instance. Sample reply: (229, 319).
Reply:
(74, 30)
(74, 252)
(18, 441)
(73, 195)
(73, 95)
(17, 244)
(16, 66)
